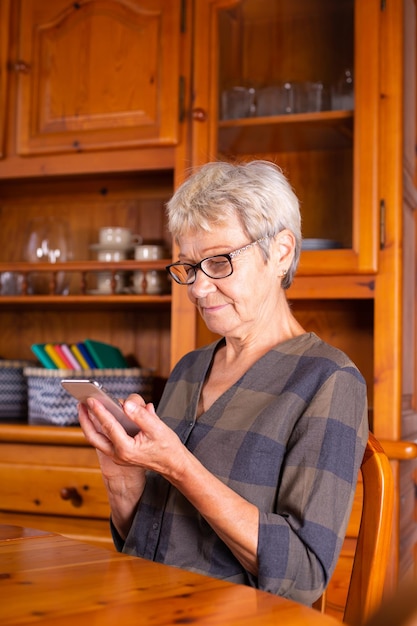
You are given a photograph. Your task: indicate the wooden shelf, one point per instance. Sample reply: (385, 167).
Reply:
(81, 294)
(326, 130)
(114, 301)
(84, 266)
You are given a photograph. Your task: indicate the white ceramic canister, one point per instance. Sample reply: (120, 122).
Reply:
(109, 254)
(150, 252)
(104, 281)
(118, 236)
(150, 282)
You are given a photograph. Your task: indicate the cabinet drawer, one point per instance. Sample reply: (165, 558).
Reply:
(52, 489)
(48, 455)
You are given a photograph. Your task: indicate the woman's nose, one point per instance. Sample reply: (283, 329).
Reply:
(202, 285)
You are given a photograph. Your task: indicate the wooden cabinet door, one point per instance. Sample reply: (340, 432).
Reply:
(329, 155)
(97, 75)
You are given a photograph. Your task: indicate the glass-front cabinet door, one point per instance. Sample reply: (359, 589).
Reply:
(296, 82)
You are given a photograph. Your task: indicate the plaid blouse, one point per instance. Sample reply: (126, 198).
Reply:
(289, 436)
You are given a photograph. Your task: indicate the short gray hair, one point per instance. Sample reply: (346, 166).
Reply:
(257, 192)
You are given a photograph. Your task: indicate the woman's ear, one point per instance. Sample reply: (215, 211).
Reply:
(284, 247)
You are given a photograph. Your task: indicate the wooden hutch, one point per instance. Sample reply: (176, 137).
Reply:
(104, 107)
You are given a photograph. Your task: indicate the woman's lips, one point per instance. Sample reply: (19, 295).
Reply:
(214, 308)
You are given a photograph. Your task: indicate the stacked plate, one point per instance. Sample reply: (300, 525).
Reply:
(320, 244)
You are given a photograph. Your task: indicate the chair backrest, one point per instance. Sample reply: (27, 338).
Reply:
(399, 608)
(366, 586)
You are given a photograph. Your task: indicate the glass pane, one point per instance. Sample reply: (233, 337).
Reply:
(286, 93)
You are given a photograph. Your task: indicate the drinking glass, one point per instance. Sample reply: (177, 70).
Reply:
(238, 102)
(47, 241)
(343, 92)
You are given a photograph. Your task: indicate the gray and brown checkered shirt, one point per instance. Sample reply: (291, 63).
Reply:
(289, 437)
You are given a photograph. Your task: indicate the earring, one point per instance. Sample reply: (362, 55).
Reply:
(284, 272)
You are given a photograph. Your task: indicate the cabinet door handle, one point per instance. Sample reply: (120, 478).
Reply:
(199, 114)
(22, 67)
(71, 493)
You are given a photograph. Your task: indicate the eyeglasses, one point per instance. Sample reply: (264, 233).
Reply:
(218, 266)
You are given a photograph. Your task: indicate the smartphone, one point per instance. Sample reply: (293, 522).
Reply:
(83, 388)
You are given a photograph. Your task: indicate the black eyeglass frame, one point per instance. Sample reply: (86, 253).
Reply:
(199, 266)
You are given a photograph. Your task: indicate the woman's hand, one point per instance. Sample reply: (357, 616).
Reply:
(125, 459)
(156, 447)
(124, 482)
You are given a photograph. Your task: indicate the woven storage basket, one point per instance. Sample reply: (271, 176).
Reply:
(13, 391)
(49, 403)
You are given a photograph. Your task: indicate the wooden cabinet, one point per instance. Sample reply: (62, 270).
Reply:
(51, 481)
(290, 47)
(114, 152)
(95, 75)
(330, 152)
(355, 173)
(138, 324)
(90, 130)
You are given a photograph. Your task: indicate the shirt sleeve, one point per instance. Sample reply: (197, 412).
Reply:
(299, 543)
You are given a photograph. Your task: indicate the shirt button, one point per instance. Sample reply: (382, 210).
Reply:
(155, 525)
(190, 424)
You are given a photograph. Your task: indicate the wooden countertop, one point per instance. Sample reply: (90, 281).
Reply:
(50, 580)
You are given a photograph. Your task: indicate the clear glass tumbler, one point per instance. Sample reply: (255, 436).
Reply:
(47, 241)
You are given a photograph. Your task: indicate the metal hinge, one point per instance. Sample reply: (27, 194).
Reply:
(382, 224)
(383, 5)
(183, 21)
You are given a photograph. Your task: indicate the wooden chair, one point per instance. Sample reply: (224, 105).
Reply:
(399, 609)
(372, 551)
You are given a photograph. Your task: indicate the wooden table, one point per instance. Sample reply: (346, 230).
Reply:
(49, 579)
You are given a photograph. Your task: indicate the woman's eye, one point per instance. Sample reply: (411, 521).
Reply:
(217, 265)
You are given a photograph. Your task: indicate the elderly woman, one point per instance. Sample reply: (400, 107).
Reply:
(247, 469)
